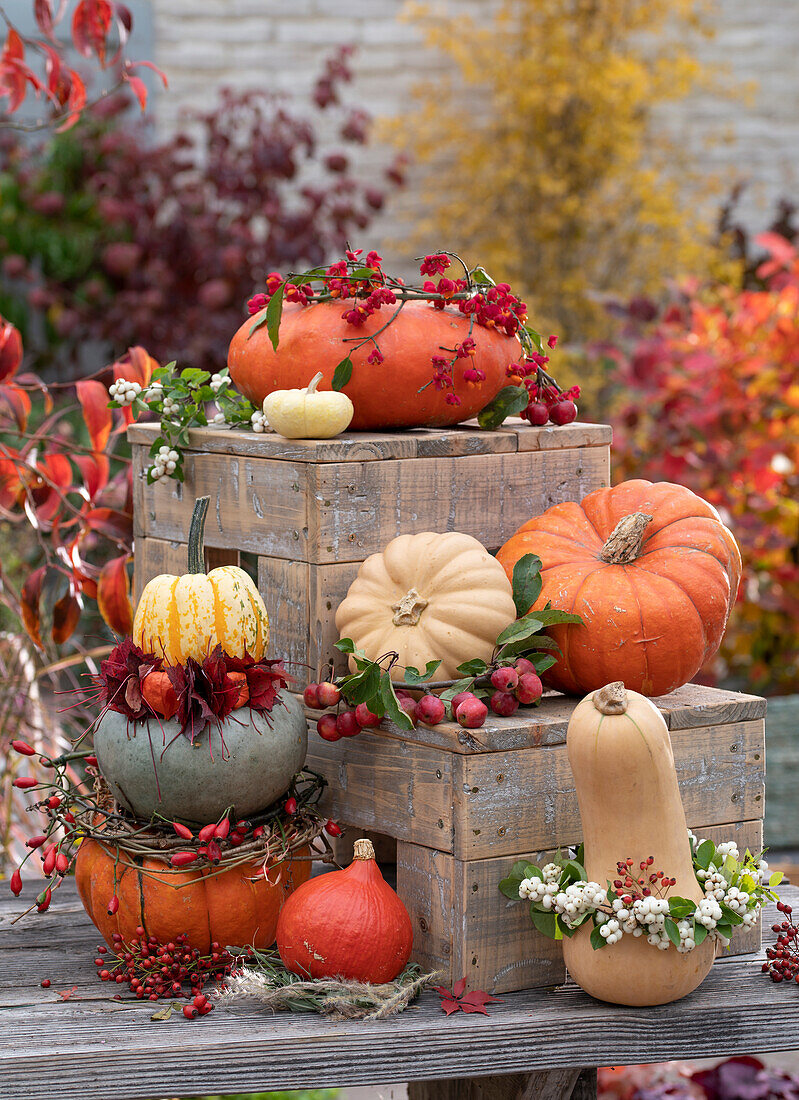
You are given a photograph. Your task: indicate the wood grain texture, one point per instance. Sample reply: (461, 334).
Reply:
(151, 557)
(284, 588)
(404, 791)
(531, 727)
(58, 1051)
(462, 439)
(526, 799)
(464, 926)
(556, 1084)
(356, 512)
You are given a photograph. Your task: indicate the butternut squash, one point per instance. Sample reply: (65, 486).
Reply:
(623, 765)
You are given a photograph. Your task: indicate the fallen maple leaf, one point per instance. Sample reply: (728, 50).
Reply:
(457, 1000)
(65, 994)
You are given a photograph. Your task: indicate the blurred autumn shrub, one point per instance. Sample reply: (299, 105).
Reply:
(709, 396)
(108, 239)
(541, 154)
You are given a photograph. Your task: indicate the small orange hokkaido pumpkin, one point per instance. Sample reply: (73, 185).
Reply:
(652, 571)
(347, 924)
(235, 907)
(385, 395)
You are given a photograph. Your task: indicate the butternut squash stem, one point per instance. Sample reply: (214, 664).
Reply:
(611, 699)
(624, 543)
(196, 553)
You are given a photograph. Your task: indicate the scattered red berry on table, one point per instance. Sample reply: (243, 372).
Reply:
(430, 710)
(471, 713)
(536, 413)
(45, 983)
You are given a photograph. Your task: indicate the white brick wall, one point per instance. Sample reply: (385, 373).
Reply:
(281, 43)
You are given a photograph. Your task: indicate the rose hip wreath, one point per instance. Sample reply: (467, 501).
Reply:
(364, 289)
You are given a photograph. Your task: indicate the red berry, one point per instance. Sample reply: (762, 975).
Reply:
(311, 696)
(523, 665)
(530, 688)
(45, 983)
(326, 727)
(61, 863)
(36, 841)
(505, 679)
(290, 806)
(366, 718)
(23, 748)
(54, 802)
(401, 694)
(332, 829)
(504, 704)
(222, 829)
(460, 698)
(43, 900)
(328, 694)
(24, 783)
(181, 830)
(189, 1011)
(471, 713)
(409, 706)
(207, 832)
(430, 710)
(113, 905)
(537, 413)
(182, 859)
(347, 724)
(563, 412)
(16, 883)
(91, 760)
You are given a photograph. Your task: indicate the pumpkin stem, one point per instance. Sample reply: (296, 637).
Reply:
(363, 849)
(317, 378)
(196, 532)
(624, 544)
(409, 610)
(611, 699)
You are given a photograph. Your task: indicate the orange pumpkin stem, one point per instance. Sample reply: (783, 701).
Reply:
(624, 544)
(363, 849)
(611, 699)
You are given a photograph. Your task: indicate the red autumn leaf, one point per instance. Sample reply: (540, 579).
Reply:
(18, 402)
(29, 603)
(10, 482)
(139, 89)
(93, 397)
(52, 68)
(459, 988)
(449, 1006)
(66, 994)
(94, 470)
(10, 350)
(113, 595)
(66, 615)
(76, 100)
(115, 525)
(91, 23)
(458, 1000)
(149, 65)
(55, 480)
(14, 50)
(43, 10)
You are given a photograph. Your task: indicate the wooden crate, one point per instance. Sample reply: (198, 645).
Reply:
(312, 511)
(463, 805)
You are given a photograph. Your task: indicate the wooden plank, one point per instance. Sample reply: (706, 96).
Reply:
(464, 926)
(151, 557)
(532, 727)
(258, 505)
(283, 585)
(356, 512)
(462, 439)
(405, 792)
(526, 800)
(543, 1084)
(328, 587)
(782, 778)
(58, 1050)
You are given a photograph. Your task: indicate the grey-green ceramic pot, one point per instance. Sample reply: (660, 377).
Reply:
(151, 768)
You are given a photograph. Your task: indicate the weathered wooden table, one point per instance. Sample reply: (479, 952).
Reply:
(534, 1045)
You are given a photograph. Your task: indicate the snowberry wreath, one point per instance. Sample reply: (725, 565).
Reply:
(561, 899)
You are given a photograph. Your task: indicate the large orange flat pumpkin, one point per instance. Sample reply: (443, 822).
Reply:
(385, 395)
(652, 571)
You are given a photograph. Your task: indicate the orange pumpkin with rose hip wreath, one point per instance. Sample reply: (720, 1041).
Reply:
(237, 906)
(652, 571)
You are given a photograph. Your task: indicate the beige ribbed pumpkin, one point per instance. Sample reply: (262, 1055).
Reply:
(429, 597)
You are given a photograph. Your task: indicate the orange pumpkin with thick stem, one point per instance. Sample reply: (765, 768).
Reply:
(384, 395)
(652, 571)
(235, 907)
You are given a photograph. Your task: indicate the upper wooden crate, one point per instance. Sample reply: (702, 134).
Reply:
(342, 499)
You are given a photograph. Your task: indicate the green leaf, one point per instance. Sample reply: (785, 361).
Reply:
(475, 667)
(541, 662)
(597, 939)
(447, 696)
(552, 615)
(527, 583)
(362, 273)
(346, 645)
(673, 932)
(775, 879)
(730, 917)
(480, 276)
(274, 311)
(704, 854)
(545, 921)
(681, 908)
(700, 934)
(414, 676)
(391, 703)
(509, 401)
(576, 870)
(342, 374)
(510, 888)
(535, 337)
(362, 686)
(520, 630)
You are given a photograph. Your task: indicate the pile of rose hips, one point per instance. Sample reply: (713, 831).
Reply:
(514, 685)
(637, 889)
(153, 970)
(783, 958)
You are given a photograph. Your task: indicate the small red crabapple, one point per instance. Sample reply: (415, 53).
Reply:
(347, 724)
(311, 696)
(460, 698)
(326, 728)
(505, 679)
(536, 413)
(328, 694)
(504, 704)
(408, 704)
(523, 665)
(563, 412)
(471, 713)
(530, 688)
(430, 710)
(366, 718)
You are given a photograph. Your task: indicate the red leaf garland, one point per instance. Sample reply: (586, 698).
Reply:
(457, 1000)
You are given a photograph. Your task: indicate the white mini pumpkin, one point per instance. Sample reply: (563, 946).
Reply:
(429, 597)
